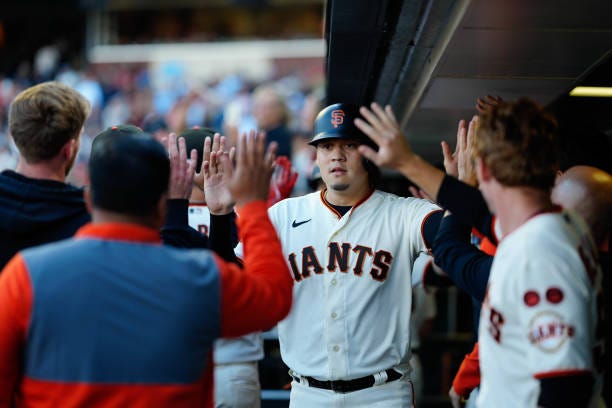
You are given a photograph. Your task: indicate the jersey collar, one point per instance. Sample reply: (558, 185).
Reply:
(333, 210)
(119, 232)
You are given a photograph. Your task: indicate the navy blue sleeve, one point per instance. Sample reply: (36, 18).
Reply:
(465, 264)
(468, 204)
(430, 227)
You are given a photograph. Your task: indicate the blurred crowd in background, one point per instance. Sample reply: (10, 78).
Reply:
(166, 99)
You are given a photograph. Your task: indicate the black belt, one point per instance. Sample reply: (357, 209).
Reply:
(355, 384)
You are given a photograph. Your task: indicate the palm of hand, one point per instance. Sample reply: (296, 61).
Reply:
(218, 196)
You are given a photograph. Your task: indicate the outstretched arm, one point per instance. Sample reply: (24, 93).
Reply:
(395, 153)
(261, 295)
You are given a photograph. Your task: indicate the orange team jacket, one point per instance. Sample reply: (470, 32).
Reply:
(111, 318)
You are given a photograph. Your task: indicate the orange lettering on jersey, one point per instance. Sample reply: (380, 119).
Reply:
(382, 260)
(338, 259)
(361, 253)
(309, 260)
(337, 117)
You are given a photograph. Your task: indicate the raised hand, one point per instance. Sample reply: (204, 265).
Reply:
(483, 105)
(460, 163)
(181, 170)
(382, 127)
(451, 159)
(465, 155)
(283, 180)
(215, 179)
(394, 151)
(250, 180)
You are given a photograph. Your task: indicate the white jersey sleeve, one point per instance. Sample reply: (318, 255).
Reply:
(556, 317)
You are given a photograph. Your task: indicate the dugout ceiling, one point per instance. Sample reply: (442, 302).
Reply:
(431, 59)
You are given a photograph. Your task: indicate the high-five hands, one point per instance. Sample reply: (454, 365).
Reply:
(382, 127)
(214, 177)
(181, 170)
(250, 179)
(394, 151)
(460, 163)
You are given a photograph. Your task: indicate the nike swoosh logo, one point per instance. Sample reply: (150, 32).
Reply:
(297, 224)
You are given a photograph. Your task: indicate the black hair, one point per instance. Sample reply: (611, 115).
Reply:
(129, 172)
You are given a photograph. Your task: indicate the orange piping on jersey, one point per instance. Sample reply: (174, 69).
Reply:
(428, 268)
(427, 244)
(332, 209)
(363, 200)
(561, 373)
(328, 205)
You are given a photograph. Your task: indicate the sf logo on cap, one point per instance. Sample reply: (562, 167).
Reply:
(337, 117)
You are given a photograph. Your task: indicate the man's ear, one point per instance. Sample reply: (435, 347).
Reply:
(68, 149)
(483, 173)
(87, 196)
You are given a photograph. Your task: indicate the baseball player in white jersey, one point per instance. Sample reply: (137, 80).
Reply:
(539, 322)
(540, 329)
(350, 249)
(236, 372)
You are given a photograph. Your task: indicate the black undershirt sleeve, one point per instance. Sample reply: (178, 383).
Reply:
(176, 231)
(566, 391)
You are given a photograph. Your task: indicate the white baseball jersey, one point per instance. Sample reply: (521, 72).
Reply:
(227, 351)
(352, 292)
(539, 317)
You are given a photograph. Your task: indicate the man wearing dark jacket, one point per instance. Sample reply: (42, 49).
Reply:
(36, 204)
